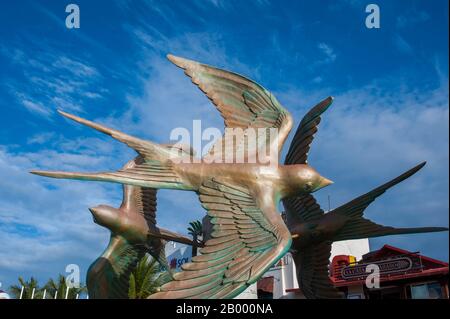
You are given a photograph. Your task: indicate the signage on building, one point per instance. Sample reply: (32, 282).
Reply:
(394, 265)
(177, 255)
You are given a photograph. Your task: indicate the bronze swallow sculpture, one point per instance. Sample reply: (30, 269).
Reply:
(133, 234)
(249, 235)
(313, 230)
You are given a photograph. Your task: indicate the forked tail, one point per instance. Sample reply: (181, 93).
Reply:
(359, 227)
(364, 228)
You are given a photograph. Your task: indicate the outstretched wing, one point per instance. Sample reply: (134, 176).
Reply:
(365, 228)
(301, 209)
(243, 246)
(109, 275)
(311, 261)
(304, 208)
(242, 103)
(312, 272)
(139, 199)
(300, 145)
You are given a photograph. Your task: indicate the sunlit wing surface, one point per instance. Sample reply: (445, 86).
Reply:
(243, 104)
(244, 245)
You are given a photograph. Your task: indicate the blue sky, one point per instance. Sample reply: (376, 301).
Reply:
(390, 113)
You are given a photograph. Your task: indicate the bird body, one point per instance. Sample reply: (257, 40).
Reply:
(133, 234)
(241, 197)
(313, 231)
(249, 235)
(132, 225)
(287, 180)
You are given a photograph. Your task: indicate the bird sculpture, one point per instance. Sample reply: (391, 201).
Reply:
(241, 197)
(313, 230)
(133, 234)
(249, 235)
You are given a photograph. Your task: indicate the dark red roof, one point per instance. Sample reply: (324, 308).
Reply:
(423, 266)
(386, 249)
(429, 266)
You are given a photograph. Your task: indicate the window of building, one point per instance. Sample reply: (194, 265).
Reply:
(430, 290)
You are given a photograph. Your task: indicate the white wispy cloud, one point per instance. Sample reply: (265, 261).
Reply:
(328, 51)
(411, 18)
(32, 106)
(52, 80)
(40, 138)
(77, 68)
(402, 45)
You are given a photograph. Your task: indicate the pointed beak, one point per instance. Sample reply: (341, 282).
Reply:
(325, 182)
(94, 213)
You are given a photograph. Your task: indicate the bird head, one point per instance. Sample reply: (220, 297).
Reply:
(305, 179)
(104, 215)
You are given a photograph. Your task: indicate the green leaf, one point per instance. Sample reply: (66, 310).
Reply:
(132, 288)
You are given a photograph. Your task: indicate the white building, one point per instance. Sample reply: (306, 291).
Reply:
(4, 295)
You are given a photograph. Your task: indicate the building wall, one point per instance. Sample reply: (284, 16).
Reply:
(355, 247)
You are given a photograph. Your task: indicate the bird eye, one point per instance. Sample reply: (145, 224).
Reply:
(308, 186)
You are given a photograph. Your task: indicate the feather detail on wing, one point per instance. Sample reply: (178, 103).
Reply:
(304, 208)
(301, 143)
(139, 199)
(313, 273)
(109, 275)
(301, 209)
(243, 245)
(365, 228)
(243, 104)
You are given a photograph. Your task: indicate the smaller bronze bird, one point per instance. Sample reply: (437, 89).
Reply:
(133, 234)
(313, 231)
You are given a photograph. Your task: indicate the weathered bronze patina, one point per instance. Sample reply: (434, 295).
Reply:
(249, 235)
(313, 230)
(133, 234)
